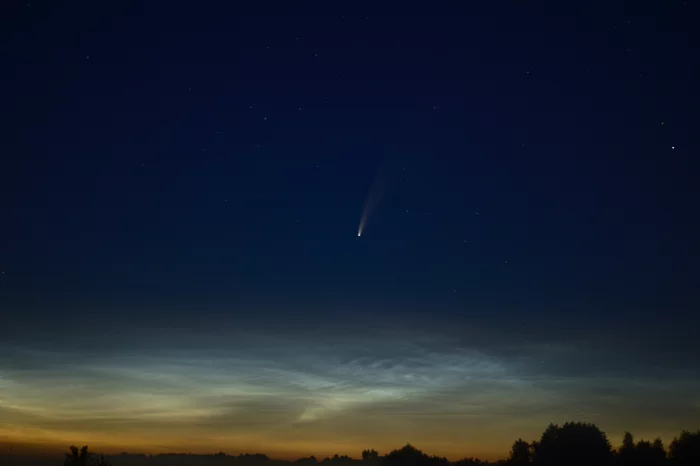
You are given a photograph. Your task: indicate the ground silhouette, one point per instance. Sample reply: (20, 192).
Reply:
(571, 444)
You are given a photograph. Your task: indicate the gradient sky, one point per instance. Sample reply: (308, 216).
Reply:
(181, 193)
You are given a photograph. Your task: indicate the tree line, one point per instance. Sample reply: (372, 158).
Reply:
(583, 444)
(571, 444)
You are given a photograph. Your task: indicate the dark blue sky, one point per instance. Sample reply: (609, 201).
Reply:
(201, 167)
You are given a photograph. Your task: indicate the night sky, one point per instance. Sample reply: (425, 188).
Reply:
(182, 186)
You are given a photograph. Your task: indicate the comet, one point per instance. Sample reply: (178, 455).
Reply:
(375, 195)
(366, 211)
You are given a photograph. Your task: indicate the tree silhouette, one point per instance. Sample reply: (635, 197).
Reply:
(370, 455)
(406, 456)
(650, 453)
(643, 453)
(83, 457)
(685, 449)
(469, 462)
(659, 445)
(626, 453)
(411, 456)
(520, 453)
(77, 457)
(100, 461)
(573, 444)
